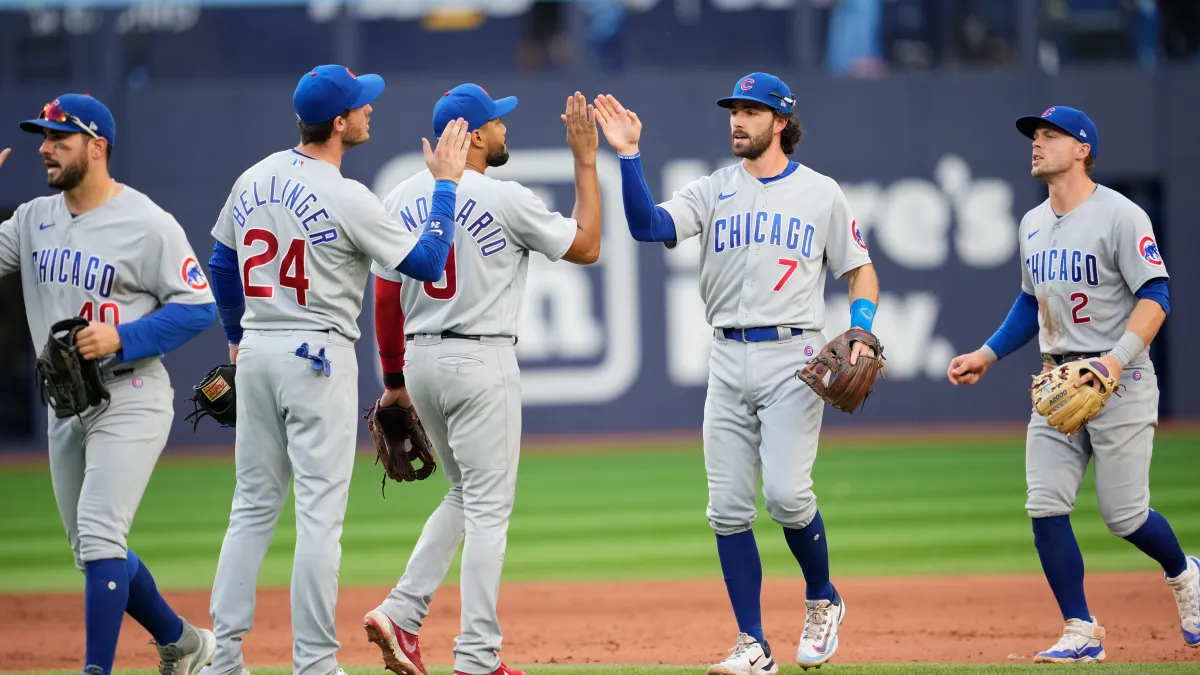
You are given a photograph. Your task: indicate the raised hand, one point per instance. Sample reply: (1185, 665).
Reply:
(449, 160)
(580, 121)
(622, 128)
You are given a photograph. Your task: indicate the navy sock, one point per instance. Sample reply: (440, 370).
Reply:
(1063, 564)
(147, 606)
(106, 591)
(1156, 539)
(812, 552)
(743, 580)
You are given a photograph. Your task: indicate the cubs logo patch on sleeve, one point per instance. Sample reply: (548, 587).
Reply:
(1148, 249)
(193, 275)
(858, 237)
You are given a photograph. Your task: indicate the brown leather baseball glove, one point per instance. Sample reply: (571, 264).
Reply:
(830, 374)
(392, 426)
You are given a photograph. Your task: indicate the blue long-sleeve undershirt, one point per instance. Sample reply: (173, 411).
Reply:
(647, 221)
(227, 289)
(1156, 290)
(162, 331)
(1019, 327)
(427, 260)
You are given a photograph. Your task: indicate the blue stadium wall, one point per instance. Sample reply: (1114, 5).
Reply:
(933, 167)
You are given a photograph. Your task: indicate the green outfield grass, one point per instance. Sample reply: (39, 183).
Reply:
(891, 508)
(828, 669)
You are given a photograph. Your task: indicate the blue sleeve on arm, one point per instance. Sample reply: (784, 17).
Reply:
(647, 221)
(164, 330)
(227, 290)
(1156, 290)
(1019, 327)
(427, 260)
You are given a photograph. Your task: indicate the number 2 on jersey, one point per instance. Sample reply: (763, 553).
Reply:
(291, 268)
(450, 288)
(1081, 300)
(791, 266)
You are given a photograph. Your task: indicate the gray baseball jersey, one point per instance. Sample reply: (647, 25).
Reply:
(767, 246)
(116, 263)
(499, 223)
(1085, 268)
(305, 237)
(468, 392)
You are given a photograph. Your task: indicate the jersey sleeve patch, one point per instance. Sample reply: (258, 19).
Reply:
(858, 236)
(1148, 249)
(193, 275)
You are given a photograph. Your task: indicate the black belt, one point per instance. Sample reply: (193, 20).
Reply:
(1060, 359)
(112, 375)
(451, 335)
(758, 334)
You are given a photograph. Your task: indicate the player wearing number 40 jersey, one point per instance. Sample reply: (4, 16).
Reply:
(295, 241)
(460, 367)
(770, 228)
(105, 252)
(1093, 287)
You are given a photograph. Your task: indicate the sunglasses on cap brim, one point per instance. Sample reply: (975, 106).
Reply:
(786, 99)
(53, 113)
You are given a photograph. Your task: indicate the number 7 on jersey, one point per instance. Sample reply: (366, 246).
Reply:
(790, 266)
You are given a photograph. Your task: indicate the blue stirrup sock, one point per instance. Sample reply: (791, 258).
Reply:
(1063, 564)
(1156, 539)
(811, 549)
(147, 606)
(105, 594)
(743, 580)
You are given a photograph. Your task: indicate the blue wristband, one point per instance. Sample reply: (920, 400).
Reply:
(862, 314)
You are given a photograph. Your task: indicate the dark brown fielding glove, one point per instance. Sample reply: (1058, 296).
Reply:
(391, 426)
(830, 374)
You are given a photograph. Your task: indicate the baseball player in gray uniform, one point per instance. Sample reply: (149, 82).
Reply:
(460, 368)
(770, 230)
(294, 244)
(1093, 286)
(103, 251)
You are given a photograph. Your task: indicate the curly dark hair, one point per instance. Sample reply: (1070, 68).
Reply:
(792, 133)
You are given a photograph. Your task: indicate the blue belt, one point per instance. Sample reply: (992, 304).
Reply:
(757, 334)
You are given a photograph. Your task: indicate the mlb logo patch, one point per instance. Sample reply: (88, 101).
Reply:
(1148, 249)
(215, 389)
(300, 162)
(193, 276)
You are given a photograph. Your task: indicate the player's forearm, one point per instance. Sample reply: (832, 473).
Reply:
(161, 332)
(1019, 327)
(647, 221)
(227, 290)
(1143, 325)
(427, 259)
(389, 332)
(864, 296)
(585, 249)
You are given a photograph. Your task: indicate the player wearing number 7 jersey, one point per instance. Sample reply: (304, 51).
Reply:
(770, 229)
(461, 368)
(295, 241)
(1094, 288)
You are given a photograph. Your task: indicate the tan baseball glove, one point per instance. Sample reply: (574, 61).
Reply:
(1067, 407)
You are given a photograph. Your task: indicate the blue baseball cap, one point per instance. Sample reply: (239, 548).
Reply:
(762, 88)
(327, 91)
(1073, 122)
(473, 104)
(75, 113)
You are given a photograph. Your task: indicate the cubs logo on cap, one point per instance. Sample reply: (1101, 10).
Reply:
(1148, 249)
(193, 276)
(1071, 121)
(748, 84)
(762, 88)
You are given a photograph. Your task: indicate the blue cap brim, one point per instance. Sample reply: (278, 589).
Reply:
(1029, 124)
(727, 102)
(504, 106)
(372, 87)
(36, 126)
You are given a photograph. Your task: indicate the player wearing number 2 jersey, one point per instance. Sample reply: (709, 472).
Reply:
(294, 244)
(461, 368)
(770, 230)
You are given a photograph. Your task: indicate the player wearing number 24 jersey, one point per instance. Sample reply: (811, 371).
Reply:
(1093, 288)
(770, 229)
(460, 367)
(295, 241)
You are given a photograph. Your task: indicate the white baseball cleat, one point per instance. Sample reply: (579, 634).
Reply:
(1081, 643)
(748, 657)
(820, 638)
(189, 654)
(1186, 588)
